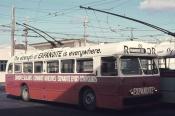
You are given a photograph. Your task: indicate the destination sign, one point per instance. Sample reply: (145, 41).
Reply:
(140, 50)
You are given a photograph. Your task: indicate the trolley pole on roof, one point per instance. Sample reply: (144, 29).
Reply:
(132, 19)
(13, 32)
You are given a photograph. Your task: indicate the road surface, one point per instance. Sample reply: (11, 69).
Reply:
(12, 106)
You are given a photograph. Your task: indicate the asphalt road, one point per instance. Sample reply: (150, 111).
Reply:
(12, 106)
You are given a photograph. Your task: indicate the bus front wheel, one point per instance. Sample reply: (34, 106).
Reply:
(89, 100)
(25, 93)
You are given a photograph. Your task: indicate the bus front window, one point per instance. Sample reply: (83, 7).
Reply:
(130, 66)
(148, 66)
(138, 66)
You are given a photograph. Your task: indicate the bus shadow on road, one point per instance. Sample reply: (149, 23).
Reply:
(35, 107)
(52, 109)
(67, 109)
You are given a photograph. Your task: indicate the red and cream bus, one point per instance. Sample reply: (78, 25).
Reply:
(116, 75)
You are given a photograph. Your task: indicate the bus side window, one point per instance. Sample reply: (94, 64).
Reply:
(28, 67)
(38, 67)
(109, 66)
(67, 66)
(53, 66)
(18, 68)
(85, 65)
(10, 68)
(3, 65)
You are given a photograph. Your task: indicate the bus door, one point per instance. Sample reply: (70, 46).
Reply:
(108, 83)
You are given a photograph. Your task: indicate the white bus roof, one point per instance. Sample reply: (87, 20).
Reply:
(166, 49)
(121, 48)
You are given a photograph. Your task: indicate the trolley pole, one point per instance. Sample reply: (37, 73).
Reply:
(13, 32)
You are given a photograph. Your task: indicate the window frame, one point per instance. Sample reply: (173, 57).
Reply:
(3, 65)
(28, 69)
(58, 67)
(35, 68)
(10, 72)
(153, 65)
(115, 66)
(73, 66)
(85, 59)
(20, 71)
(131, 69)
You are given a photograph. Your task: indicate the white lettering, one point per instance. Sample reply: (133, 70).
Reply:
(55, 78)
(142, 91)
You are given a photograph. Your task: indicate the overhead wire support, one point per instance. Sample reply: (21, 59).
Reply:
(132, 19)
(51, 42)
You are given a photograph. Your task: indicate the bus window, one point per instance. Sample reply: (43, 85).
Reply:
(28, 67)
(3, 65)
(38, 67)
(18, 68)
(168, 63)
(10, 68)
(67, 66)
(53, 66)
(130, 66)
(162, 63)
(84, 65)
(148, 66)
(109, 66)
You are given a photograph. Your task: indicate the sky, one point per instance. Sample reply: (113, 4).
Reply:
(63, 19)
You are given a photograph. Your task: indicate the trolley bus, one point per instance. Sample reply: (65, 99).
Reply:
(115, 75)
(166, 54)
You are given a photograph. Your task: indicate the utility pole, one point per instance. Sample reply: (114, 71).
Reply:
(25, 34)
(131, 32)
(132, 36)
(85, 29)
(13, 32)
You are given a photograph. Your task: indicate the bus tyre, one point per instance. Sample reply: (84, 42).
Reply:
(25, 93)
(89, 100)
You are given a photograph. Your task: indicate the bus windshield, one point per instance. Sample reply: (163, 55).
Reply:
(138, 65)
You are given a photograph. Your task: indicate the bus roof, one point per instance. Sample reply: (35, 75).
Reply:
(166, 49)
(121, 48)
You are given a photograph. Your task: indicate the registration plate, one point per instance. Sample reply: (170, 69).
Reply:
(143, 91)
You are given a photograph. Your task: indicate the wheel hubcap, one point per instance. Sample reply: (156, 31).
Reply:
(25, 93)
(89, 98)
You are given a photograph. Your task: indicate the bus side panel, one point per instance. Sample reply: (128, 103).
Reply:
(12, 87)
(36, 89)
(65, 92)
(108, 92)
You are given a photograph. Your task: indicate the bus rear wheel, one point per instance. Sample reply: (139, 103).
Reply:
(88, 100)
(25, 93)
